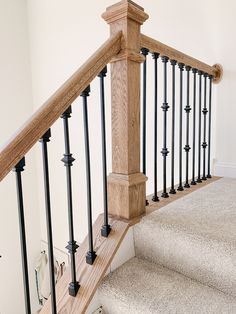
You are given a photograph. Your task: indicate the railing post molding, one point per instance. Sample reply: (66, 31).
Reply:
(126, 184)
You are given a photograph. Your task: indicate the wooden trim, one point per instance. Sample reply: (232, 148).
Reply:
(89, 276)
(44, 118)
(156, 46)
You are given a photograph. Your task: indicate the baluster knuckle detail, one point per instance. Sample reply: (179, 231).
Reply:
(72, 247)
(165, 106)
(164, 152)
(68, 160)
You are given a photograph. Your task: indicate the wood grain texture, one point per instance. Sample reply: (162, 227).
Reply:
(125, 195)
(156, 46)
(44, 118)
(89, 276)
(126, 199)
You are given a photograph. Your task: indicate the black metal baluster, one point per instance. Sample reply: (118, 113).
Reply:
(181, 68)
(72, 245)
(209, 128)
(199, 127)
(172, 190)
(106, 228)
(165, 108)
(187, 147)
(144, 52)
(44, 140)
(193, 182)
(204, 144)
(18, 169)
(155, 57)
(91, 255)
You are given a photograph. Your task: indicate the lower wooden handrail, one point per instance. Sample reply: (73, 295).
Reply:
(13, 151)
(156, 46)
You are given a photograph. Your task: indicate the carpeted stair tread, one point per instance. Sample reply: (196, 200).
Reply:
(195, 236)
(140, 286)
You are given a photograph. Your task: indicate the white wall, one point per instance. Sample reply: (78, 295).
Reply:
(16, 106)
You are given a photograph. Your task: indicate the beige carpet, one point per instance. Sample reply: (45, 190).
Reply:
(194, 239)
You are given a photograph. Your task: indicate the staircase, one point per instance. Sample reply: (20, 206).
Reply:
(185, 258)
(184, 251)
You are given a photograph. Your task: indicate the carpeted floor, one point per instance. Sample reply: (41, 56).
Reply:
(186, 258)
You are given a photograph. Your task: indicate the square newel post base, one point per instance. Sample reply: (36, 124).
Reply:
(127, 195)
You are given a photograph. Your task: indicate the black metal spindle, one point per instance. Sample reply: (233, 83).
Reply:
(209, 128)
(199, 126)
(144, 52)
(187, 146)
(68, 162)
(18, 169)
(172, 190)
(106, 228)
(165, 108)
(204, 144)
(193, 182)
(155, 56)
(181, 69)
(91, 255)
(44, 140)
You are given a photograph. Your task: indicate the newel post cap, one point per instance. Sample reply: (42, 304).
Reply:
(125, 9)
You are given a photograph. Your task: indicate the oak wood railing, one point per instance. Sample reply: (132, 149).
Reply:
(126, 183)
(20, 143)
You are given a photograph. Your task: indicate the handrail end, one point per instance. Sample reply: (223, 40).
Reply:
(218, 73)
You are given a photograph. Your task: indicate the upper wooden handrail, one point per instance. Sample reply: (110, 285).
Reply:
(156, 46)
(12, 152)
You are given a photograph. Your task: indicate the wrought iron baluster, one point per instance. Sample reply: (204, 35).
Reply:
(18, 169)
(144, 52)
(181, 69)
(209, 128)
(72, 245)
(91, 255)
(165, 108)
(155, 56)
(44, 140)
(193, 182)
(106, 228)
(187, 146)
(172, 190)
(204, 144)
(199, 127)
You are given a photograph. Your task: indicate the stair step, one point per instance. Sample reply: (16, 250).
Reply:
(140, 286)
(195, 236)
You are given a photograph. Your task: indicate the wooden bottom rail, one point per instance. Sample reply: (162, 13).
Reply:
(89, 276)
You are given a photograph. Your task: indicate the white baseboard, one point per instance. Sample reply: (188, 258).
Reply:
(224, 169)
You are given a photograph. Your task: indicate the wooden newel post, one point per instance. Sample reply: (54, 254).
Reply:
(126, 185)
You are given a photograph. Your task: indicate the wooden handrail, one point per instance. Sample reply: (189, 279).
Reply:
(12, 152)
(156, 46)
